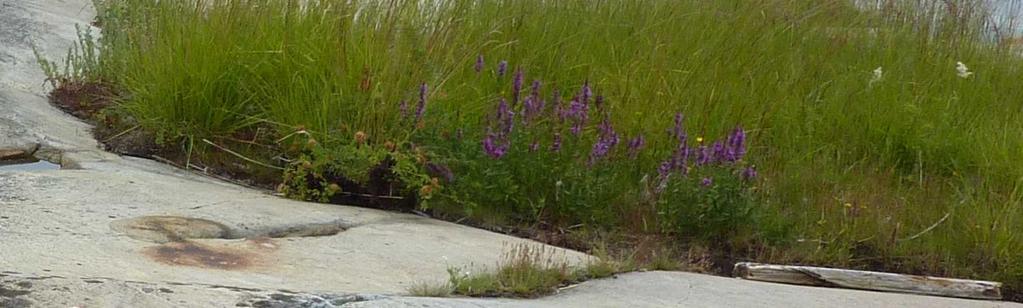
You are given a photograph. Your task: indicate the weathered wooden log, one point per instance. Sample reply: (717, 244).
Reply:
(866, 280)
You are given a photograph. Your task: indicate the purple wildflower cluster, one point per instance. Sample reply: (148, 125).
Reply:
(723, 152)
(533, 105)
(517, 87)
(608, 139)
(497, 143)
(530, 108)
(533, 108)
(403, 106)
(575, 116)
(494, 147)
(421, 107)
(577, 112)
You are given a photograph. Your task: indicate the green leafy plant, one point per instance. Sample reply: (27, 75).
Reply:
(322, 172)
(712, 204)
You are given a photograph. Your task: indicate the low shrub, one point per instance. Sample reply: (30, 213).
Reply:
(547, 158)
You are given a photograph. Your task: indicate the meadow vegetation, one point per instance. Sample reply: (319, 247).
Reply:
(524, 271)
(881, 136)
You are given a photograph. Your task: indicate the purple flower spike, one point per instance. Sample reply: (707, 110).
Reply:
(505, 117)
(600, 149)
(578, 112)
(719, 154)
(527, 109)
(576, 129)
(702, 155)
(489, 144)
(679, 131)
(493, 148)
(608, 140)
(587, 93)
(502, 68)
(423, 88)
(750, 173)
(403, 108)
(479, 63)
(556, 145)
(663, 173)
(606, 130)
(737, 144)
(502, 109)
(664, 168)
(635, 145)
(680, 157)
(421, 108)
(533, 104)
(556, 101)
(707, 182)
(517, 86)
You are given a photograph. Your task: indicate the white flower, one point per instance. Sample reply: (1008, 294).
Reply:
(963, 71)
(878, 74)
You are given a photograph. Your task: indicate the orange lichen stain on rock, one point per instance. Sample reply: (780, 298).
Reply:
(227, 256)
(203, 256)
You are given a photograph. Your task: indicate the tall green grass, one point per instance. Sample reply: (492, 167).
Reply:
(857, 167)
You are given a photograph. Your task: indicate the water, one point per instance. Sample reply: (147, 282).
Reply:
(1008, 14)
(1004, 24)
(30, 165)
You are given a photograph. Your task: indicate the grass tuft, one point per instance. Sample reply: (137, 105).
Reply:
(426, 289)
(526, 271)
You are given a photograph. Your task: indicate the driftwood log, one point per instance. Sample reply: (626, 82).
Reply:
(866, 280)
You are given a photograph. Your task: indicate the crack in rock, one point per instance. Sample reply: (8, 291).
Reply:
(281, 300)
(174, 233)
(166, 229)
(12, 294)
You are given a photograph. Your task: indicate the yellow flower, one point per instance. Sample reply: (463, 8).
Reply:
(699, 139)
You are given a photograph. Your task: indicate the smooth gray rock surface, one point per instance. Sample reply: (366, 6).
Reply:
(678, 289)
(109, 231)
